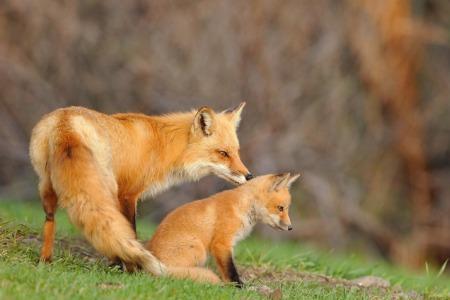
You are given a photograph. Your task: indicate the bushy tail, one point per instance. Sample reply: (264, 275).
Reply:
(194, 273)
(84, 190)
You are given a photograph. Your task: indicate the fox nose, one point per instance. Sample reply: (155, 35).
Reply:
(290, 227)
(249, 176)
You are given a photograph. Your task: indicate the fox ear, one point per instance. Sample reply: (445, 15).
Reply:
(279, 181)
(235, 113)
(291, 180)
(204, 121)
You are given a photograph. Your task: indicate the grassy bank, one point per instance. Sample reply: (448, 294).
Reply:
(291, 270)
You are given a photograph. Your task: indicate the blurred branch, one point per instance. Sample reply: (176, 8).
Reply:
(350, 119)
(398, 56)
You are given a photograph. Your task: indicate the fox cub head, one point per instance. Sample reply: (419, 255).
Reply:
(214, 147)
(273, 199)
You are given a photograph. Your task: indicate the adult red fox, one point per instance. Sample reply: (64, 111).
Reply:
(214, 225)
(97, 166)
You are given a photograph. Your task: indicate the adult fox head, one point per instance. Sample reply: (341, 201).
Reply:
(213, 145)
(273, 199)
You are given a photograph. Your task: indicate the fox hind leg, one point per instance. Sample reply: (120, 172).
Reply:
(88, 192)
(128, 209)
(49, 203)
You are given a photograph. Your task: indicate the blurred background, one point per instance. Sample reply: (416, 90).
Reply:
(353, 94)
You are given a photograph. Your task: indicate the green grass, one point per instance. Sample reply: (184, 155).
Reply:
(72, 276)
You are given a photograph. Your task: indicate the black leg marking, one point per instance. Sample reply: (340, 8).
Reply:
(49, 216)
(116, 262)
(233, 274)
(133, 223)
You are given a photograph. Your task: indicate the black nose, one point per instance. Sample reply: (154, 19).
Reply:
(249, 176)
(289, 227)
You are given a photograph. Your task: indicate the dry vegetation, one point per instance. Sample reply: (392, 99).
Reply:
(352, 93)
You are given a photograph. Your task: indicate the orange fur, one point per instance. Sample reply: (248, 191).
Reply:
(214, 225)
(97, 166)
(49, 205)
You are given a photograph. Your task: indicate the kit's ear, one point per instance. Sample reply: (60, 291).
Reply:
(204, 121)
(291, 180)
(279, 181)
(235, 114)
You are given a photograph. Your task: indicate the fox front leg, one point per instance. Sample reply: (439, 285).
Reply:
(233, 274)
(128, 208)
(224, 260)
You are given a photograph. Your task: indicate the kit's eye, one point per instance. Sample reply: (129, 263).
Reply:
(224, 153)
(280, 208)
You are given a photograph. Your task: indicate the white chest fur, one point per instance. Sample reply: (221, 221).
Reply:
(189, 173)
(157, 187)
(247, 224)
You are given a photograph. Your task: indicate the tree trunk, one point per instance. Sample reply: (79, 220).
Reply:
(390, 56)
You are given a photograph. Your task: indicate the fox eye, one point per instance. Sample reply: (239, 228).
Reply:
(224, 153)
(280, 208)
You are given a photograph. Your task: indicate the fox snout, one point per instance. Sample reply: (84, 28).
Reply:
(238, 170)
(285, 226)
(278, 222)
(241, 178)
(285, 222)
(238, 166)
(249, 176)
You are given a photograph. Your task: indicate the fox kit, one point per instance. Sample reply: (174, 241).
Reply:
(214, 225)
(97, 166)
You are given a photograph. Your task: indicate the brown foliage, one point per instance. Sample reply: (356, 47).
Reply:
(352, 94)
